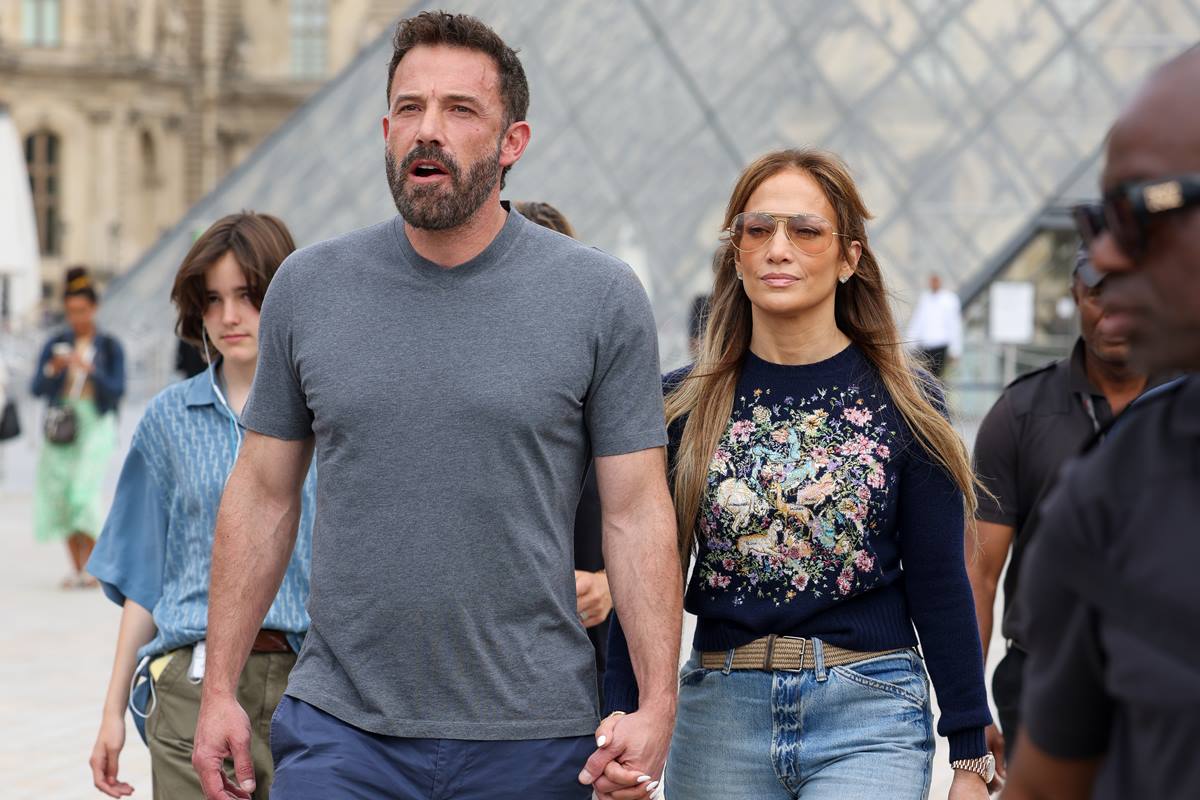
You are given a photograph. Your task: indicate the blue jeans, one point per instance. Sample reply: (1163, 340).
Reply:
(857, 732)
(319, 757)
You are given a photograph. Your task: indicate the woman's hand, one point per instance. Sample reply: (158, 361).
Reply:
(76, 361)
(593, 602)
(968, 786)
(58, 364)
(105, 754)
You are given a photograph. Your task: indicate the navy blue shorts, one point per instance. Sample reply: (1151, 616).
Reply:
(318, 756)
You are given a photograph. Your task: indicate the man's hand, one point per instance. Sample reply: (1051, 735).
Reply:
(968, 786)
(995, 744)
(592, 599)
(223, 732)
(631, 751)
(105, 753)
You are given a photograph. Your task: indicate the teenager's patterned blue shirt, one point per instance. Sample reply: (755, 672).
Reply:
(156, 545)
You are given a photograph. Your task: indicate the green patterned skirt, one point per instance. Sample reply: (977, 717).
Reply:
(70, 477)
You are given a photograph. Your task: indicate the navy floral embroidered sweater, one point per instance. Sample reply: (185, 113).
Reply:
(823, 517)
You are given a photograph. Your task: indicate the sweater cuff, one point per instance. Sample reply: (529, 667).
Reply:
(967, 744)
(621, 697)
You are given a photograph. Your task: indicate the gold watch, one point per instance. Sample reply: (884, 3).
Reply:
(984, 766)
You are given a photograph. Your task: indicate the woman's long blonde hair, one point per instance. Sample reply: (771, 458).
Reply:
(861, 311)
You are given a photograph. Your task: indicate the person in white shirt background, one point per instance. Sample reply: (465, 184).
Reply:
(935, 329)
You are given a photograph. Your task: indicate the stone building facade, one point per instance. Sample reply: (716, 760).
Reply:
(131, 110)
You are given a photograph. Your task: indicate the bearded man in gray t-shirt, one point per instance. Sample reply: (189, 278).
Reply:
(453, 369)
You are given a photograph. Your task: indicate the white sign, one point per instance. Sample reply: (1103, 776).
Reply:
(1010, 312)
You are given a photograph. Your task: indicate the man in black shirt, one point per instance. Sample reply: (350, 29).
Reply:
(1108, 607)
(1040, 420)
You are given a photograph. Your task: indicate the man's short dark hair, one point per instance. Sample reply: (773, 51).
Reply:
(462, 30)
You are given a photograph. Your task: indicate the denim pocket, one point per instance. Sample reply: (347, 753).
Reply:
(691, 672)
(900, 675)
(691, 677)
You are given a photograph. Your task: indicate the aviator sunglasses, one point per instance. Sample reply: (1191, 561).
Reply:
(808, 233)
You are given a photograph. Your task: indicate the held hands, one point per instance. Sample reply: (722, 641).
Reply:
(592, 599)
(223, 732)
(631, 751)
(105, 754)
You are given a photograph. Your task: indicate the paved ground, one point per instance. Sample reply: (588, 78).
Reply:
(56, 652)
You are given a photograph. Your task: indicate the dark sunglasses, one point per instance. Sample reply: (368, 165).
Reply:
(1128, 209)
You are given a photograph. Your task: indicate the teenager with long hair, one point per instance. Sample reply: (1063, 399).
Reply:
(154, 556)
(821, 492)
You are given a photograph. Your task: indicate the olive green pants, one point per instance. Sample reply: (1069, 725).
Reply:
(171, 727)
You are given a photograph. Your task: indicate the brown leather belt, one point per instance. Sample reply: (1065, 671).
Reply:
(271, 642)
(786, 653)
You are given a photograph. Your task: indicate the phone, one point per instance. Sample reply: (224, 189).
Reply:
(61, 349)
(196, 668)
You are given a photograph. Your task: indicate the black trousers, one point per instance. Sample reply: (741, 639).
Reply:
(1006, 690)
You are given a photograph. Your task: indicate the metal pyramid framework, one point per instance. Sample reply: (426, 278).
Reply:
(961, 120)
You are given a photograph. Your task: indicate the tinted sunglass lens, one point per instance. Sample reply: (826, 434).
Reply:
(811, 234)
(1124, 224)
(751, 231)
(1089, 221)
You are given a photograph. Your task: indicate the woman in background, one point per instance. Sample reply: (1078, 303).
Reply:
(81, 373)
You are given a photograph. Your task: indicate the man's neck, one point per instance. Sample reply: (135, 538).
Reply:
(1117, 382)
(454, 246)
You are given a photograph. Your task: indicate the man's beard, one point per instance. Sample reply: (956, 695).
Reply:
(434, 207)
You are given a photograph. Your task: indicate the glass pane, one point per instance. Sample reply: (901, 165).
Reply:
(50, 236)
(29, 148)
(51, 22)
(29, 20)
(51, 148)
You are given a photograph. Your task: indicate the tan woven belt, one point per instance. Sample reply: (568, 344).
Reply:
(787, 653)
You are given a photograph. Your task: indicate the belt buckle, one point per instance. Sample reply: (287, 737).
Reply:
(803, 647)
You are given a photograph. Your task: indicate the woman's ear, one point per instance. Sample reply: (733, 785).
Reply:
(853, 254)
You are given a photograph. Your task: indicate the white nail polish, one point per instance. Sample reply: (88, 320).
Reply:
(650, 787)
(603, 740)
(643, 778)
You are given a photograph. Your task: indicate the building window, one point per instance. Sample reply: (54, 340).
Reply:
(149, 153)
(40, 22)
(43, 154)
(310, 38)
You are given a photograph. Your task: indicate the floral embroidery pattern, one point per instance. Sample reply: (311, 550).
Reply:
(789, 498)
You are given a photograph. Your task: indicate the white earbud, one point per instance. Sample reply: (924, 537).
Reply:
(220, 396)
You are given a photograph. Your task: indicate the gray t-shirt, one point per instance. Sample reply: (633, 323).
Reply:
(455, 411)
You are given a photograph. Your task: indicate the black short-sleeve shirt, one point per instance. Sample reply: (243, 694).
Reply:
(1109, 607)
(1042, 419)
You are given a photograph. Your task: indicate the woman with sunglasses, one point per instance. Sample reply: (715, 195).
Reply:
(821, 491)
(154, 556)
